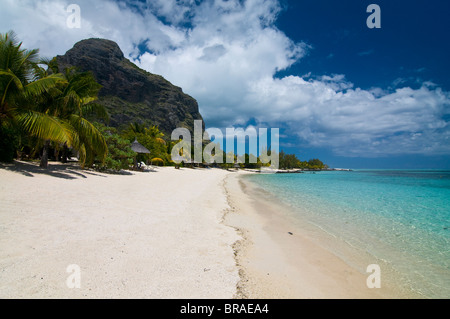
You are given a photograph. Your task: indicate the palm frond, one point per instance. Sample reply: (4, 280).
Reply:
(45, 127)
(89, 135)
(6, 87)
(97, 109)
(71, 101)
(43, 85)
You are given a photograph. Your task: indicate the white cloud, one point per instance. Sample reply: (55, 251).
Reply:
(357, 121)
(229, 48)
(226, 53)
(42, 24)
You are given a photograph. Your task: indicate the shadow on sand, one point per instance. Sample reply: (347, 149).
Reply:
(59, 170)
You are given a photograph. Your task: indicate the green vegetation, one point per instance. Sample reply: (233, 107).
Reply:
(286, 161)
(46, 114)
(290, 161)
(46, 108)
(20, 85)
(71, 101)
(120, 155)
(152, 139)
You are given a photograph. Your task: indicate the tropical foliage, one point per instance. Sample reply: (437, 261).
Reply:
(152, 139)
(290, 161)
(20, 85)
(120, 155)
(47, 105)
(72, 101)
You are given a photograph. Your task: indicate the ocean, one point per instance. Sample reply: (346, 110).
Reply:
(399, 218)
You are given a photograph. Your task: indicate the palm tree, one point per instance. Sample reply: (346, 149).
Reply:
(71, 102)
(137, 128)
(51, 107)
(18, 89)
(78, 101)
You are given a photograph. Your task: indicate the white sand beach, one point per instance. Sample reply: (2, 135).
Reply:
(188, 233)
(147, 235)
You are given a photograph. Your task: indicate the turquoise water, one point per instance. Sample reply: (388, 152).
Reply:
(401, 217)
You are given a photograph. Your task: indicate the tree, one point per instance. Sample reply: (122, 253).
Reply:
(150, 137)
(120, 155)
(316, 164)
(251, 161)
(288, 161)
(71, 101)
(49, 106)
(19, 87)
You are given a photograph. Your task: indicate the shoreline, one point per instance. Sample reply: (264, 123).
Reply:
(282, 258)
(189, 234)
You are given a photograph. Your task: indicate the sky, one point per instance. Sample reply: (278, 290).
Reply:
(353, 96)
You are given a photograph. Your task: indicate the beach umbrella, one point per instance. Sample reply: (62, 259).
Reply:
(138, 148)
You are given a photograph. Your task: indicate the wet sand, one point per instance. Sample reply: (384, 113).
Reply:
(282, 258)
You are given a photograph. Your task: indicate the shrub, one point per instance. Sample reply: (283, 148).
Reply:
(120, 155)
(157, 161)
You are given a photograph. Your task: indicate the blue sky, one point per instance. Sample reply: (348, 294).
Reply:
(350, 95)
(411, 48)
(412, 44)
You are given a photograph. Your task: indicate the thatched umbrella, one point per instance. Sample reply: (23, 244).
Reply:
(138, 148)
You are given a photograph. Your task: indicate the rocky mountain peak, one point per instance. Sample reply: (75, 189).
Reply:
(129, 93)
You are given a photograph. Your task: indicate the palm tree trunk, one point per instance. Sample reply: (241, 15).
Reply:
(44, 158)
(64, 153)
